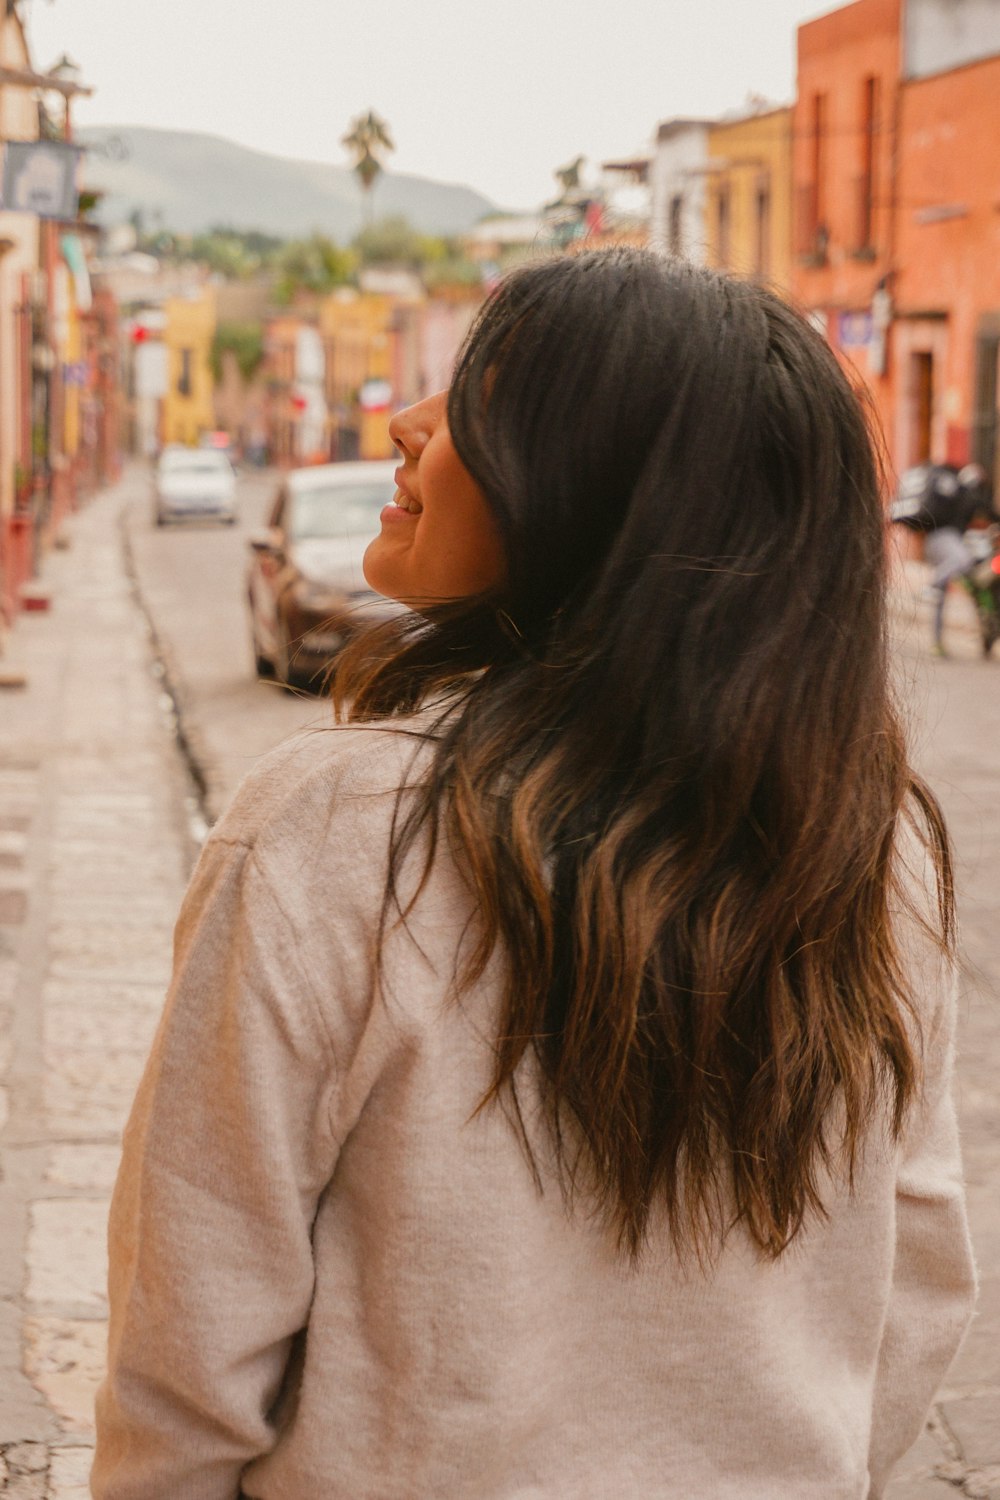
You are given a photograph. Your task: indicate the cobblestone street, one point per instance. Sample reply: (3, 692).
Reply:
(98, 828)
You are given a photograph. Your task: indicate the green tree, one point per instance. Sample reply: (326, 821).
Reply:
(245, 341)
(315, 264)
(233, 253)
(367, 140)
(395, 242)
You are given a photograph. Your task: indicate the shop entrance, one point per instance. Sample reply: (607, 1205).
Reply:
(985, 417)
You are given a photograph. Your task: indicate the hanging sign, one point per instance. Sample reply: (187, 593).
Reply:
(40, 178)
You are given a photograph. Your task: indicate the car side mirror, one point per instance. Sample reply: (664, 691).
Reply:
(267, 539)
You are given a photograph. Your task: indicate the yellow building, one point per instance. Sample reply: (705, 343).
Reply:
(748, 197)
(18, 261)
(358, 332)
(188, 333)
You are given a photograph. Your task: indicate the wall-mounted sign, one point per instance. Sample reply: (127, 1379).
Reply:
(40, 178)
(854, 330)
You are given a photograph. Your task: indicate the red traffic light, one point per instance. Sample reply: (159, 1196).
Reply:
(140, 333)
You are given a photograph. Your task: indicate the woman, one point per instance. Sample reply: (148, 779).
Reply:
(553, 1095)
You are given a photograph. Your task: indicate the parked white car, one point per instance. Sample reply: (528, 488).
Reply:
(192, 483)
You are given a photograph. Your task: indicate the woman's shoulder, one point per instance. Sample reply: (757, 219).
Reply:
(324, 778)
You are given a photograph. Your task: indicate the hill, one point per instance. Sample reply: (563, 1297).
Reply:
(196, 181)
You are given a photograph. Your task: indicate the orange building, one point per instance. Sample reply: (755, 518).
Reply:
(946, 291)
(897, 231)
(844, 125)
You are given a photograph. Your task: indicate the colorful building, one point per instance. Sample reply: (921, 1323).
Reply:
(357, 331)
(897, 239)
(19, 279)
(677, 188)
(945, 289)
(845, 139)
(188, 330)
(747, 199)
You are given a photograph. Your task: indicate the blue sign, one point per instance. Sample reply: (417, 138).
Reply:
(854, 330)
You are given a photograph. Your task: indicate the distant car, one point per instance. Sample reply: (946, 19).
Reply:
(307, 592)
(192, 483)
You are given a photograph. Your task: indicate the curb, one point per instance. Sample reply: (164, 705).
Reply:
(185, 733)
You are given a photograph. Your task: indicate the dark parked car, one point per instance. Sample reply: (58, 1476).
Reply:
(307, 591)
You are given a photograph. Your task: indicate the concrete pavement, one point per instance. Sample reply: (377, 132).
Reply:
(97, 832)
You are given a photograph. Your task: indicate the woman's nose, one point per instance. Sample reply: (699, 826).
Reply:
(411, 428)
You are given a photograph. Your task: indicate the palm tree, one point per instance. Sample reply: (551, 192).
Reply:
(366, 140)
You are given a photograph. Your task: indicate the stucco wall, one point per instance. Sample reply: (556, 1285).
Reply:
(748, 156)
(18, 122)
(678, 169)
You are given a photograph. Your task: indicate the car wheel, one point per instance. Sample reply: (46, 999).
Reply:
(263, 665)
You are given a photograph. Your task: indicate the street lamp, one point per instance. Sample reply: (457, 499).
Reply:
(66, 71)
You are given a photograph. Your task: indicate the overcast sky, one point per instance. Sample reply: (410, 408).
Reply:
(492, 93)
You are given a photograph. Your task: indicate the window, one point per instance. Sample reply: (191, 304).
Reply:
(184, 379)
(866, 184)
(818, 162)
(762, 227)
(812, 232)
(675, 227)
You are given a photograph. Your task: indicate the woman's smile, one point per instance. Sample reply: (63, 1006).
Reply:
(455, 552)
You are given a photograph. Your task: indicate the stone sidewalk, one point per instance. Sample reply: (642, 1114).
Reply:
(94, 854)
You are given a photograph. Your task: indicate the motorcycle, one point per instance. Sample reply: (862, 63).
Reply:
(982, 582)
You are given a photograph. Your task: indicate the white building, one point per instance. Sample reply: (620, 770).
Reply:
(677, 188)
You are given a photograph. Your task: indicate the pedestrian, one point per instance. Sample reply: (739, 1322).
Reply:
(942, 501)
(553, 1093)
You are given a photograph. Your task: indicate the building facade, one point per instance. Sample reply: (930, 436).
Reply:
(946, 287)
(897, 237)
(747, 198)
(19, 283)
(188, 331)
(677, 176)
(845, 133)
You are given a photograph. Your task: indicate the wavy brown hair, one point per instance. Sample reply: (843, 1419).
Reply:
(668, 763)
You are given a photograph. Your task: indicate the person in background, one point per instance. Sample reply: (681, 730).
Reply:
(553, 1093)
(942, 501)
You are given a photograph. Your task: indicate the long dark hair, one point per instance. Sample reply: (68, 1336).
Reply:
(670, 766)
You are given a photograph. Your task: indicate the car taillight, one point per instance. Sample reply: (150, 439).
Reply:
(995, 565)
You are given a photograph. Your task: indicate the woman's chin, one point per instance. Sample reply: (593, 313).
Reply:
(376, 574)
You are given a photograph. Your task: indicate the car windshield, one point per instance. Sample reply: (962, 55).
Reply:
(198, 461)
(341, 510)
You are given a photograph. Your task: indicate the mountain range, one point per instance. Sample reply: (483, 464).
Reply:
(190, 182)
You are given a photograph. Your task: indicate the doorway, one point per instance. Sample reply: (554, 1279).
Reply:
(922, 399)
(985, 417)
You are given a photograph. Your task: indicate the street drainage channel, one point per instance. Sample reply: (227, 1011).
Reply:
(196, 815)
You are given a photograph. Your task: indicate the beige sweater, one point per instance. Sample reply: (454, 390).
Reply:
(329, 1281)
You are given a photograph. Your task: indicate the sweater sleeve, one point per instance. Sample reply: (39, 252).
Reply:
(227, 1151)
(934, 1280)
